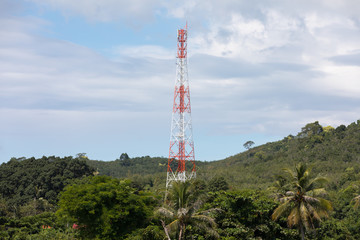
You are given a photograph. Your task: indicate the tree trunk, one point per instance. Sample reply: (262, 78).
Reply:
(165, 229)
(302, 232)
(181, 231)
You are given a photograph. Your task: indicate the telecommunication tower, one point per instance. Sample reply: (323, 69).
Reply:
(181, 140)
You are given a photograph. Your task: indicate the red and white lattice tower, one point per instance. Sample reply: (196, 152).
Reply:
(181, 142)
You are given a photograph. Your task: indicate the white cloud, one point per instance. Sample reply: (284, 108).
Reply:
(133, 12)
(250, 39)
(340, 81)
(42, 73)
(144, 51)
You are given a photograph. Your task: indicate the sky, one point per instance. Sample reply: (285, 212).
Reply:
(97, 77)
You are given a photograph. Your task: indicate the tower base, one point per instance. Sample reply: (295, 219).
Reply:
(179, 176)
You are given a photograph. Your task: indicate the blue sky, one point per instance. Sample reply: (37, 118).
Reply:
(97, 77)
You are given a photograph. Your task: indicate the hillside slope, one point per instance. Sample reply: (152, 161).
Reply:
(334, 153)
(144, 171)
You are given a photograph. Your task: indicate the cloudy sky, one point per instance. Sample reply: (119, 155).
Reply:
(97, 77)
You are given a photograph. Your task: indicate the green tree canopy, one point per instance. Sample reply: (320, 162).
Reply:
(248, 144)
(246, 214)
(217, 184)
(22, 180)
(103, 207)
(124, 156)
(311, 129)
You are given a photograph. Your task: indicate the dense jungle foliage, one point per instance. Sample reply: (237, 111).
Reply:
(79, 198)
(22, 180)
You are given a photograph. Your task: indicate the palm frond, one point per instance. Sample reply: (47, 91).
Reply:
(211, 210)
(165, 212)
(281, 209)
(357, 201)
(311, 200)
(206, 227)
(323, 213)
(213, 233)
(318, 207)
(290, 172)
(303, 179)
(173, 226)
(197, 204)
(314, 214)
(286, 199)
(318, 181)
(305, 215)
(294, 217)
(317, 192)
(325, 204)
(290, 193)
(206, 219)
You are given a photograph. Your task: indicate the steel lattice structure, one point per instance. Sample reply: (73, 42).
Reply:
(181, 140)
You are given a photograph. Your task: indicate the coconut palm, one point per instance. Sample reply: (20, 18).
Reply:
(182, 209)
(303, 203)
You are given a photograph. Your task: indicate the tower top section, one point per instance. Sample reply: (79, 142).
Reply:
(182, 43)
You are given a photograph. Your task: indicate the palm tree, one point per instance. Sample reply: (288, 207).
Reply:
(303, 204)
(183, 209)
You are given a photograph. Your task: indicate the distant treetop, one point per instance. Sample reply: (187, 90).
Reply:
(248, 144)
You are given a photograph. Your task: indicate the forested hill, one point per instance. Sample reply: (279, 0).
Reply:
(145, 171)
(334, 153)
